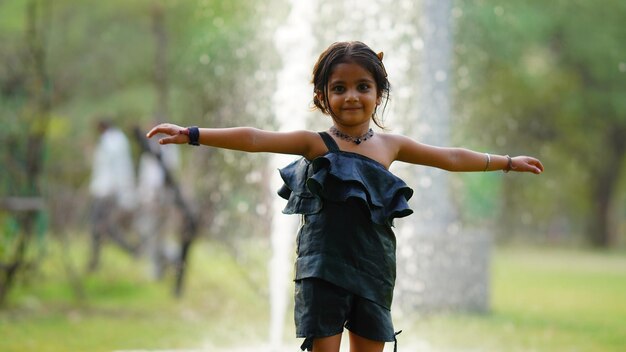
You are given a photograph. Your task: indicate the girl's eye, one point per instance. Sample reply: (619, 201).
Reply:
(364, 87)
(338, 89)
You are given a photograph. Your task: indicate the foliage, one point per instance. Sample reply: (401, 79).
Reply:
(100, 59)
(547, 79)
(67, 63)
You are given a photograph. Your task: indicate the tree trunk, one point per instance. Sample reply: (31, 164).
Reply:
(606, 176)
(37, 119)
(190, 220)
(160, 62)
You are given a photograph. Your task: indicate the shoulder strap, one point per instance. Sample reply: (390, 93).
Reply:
(329, 141)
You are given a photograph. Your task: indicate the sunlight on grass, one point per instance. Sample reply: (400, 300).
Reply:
(122, 309)
(542, 300)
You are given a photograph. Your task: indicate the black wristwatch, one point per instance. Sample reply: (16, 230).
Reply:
(193, 133)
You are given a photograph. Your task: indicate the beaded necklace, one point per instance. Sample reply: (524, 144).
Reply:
(356, 140)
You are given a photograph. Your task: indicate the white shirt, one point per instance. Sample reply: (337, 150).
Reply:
(151, 178)
(113, 173)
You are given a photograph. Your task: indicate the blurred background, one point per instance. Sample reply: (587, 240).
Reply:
(110, 242)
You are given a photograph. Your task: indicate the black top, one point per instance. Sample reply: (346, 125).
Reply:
(348, 202)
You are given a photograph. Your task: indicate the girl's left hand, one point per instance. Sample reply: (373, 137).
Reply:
(526, 164)
(174, 131)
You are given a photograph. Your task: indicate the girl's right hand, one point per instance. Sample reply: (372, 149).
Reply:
(176, 133)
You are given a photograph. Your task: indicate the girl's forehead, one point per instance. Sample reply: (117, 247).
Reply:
(350, 70)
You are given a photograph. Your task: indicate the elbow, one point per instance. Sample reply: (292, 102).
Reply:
(254, 140)
(455, 160)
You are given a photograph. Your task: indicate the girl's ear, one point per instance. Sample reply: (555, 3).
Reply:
(379, 99)
(320, 97)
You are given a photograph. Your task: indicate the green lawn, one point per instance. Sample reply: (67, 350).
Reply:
(542, 300)
(123, 310)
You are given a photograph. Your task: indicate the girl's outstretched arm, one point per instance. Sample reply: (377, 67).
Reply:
(246, 139)
(461, 159)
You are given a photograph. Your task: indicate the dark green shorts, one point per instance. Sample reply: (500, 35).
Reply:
(323, 309)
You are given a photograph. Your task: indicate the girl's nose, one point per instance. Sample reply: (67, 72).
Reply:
(352, 97)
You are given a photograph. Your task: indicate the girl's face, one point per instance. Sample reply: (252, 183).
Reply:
(352, 95)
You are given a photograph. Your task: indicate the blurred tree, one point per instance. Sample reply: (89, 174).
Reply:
(77, 60)
(222, 71)
(548, 78)
(28, 93)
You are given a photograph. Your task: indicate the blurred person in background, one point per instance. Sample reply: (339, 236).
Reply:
(155, 204)
(112, 190)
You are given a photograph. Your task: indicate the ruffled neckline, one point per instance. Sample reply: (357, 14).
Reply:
(355, 155)
(339, 176)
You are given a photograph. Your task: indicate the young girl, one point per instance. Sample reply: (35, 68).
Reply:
(346, 264)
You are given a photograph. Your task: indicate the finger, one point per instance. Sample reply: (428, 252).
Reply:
(156, 129)
(162, 128)
(169, 140)
(151, 133)
(538, 164)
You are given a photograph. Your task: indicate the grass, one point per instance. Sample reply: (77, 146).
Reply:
(124, 310)
(542, 300)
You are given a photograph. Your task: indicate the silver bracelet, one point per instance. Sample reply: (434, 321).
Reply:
(488, 161)
(509, 164)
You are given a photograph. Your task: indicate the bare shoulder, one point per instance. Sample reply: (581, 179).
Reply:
(394, 142)
(392, 138)
(315, 143)
(406, 149)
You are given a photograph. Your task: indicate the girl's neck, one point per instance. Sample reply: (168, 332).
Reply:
(353, 131)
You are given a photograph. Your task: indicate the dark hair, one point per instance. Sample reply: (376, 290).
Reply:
(349, 52)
